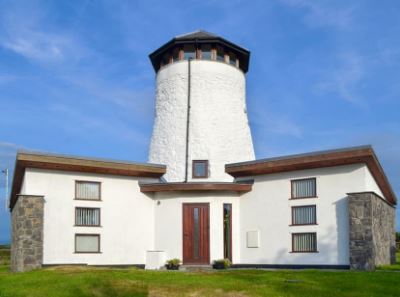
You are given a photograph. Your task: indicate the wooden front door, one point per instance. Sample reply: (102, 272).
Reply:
(196, 248)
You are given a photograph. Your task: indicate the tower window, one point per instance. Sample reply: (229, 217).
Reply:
(206, 51)
(232, 59)
(220, 54)
(200, 169)
(175, 54)
(189, 51)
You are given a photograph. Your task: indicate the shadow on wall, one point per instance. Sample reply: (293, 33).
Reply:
(329, 251)
(342, 229)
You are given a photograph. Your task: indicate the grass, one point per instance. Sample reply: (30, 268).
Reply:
(392, 267)
(98, 282)
(4, 255)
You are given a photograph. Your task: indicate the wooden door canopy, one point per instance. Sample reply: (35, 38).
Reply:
(195, 186)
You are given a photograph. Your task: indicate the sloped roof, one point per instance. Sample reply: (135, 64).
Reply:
(344, 156)
(199, 34)
(28, 159)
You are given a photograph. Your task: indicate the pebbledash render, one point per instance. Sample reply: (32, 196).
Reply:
(203, 196)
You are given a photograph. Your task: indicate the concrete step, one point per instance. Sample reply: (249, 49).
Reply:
(196, 268)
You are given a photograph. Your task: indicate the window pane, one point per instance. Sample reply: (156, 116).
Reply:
(196, 232)
(232, 59)
(227, 231)
(200, 169)
(189, 51)
(304, 242)
(87, 243)
(88, 190)
(175, 54)
(165, 58)
(206, 51)
(87, 216)
(304, 188)
(220, 54)
(304, 215)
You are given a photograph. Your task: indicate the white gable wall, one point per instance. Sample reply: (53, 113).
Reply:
(267, 208)
(127, 217)
(371, 184)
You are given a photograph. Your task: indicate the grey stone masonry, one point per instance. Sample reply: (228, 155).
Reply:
(372, 231)
(27, 233)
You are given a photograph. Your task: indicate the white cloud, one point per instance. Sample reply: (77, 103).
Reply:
(344, 78)
(273, 123)
(324, 13)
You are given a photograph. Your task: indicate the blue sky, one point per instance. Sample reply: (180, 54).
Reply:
(75, 77)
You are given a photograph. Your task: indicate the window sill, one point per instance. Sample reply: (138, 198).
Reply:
(313, 252)
(99, 226)
(80, 199)
(300, 198)
(87, 252)
(292, 225)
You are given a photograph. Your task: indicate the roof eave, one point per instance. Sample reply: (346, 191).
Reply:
(364, 154)
(78, 164)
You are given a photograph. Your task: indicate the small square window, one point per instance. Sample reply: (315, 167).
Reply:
(87, 243)
(87, 216)
(87, 190)
(304, 242)
(200, 169)
(304, 215)
(304, 188)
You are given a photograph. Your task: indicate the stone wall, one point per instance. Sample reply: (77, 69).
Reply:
(27, 233)
(372, 231)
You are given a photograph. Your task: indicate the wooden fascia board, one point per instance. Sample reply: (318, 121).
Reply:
(24, 161)
(176, 187)
(362, 156)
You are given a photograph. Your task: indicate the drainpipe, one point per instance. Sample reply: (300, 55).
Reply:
(188, 122)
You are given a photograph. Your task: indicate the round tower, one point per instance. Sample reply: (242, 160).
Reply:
(201, 120)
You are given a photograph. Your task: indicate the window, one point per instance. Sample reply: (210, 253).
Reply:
(189, 52)
(166, 59)
(304, 242)
(304, 188)
(175, 54)
(220, 54)
(87, 190)
(206, 51)
(227, 231)
(85, 216)
(232, 59)
(87, 243)
(304, 215)
(200, 169)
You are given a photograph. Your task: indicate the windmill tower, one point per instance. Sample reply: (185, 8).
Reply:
(201, 120)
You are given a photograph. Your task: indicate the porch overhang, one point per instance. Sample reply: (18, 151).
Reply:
(196, 186)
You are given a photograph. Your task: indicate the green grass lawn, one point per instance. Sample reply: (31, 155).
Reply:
(96, 282)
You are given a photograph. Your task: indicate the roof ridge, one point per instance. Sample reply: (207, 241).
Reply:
(196, 32)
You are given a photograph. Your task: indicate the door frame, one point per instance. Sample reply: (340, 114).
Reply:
(207, 205)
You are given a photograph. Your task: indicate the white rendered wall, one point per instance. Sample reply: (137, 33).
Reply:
(127, 217)
(219, 129)
(371, 184)
(267, 208)
(169, 228)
